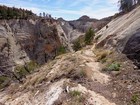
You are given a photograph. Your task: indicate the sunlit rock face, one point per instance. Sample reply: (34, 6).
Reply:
(122, 34)
(23, 41)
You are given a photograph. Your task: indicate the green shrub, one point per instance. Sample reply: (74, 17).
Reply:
(24, 70)
(89, 36)
(75, 93)
(61, 50)
(135, 99)
(113, 67)
(77, 45)
(4, 81)
(78, 74)
(104, 60)
(31, 66)
(21, 71)
(77, 98)
(82, 73)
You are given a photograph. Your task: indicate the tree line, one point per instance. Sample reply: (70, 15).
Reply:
(14, 13)
(128, 5)
(45, 15)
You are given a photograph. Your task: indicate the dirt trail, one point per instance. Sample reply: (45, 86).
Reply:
(46, 86)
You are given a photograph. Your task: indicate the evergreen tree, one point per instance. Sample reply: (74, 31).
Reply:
(77, 45)
(4, 13)
(138, 1)
(44, 15)
(89, 36)
(14, 13)
(10, 13)
(126, 5)
(40, 14)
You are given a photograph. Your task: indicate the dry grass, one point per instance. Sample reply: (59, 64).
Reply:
(102, 54)
(59, 67)
(76, 98)
(110, 59)
(72, 98)
(38, 77)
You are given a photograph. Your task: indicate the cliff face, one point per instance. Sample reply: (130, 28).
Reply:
(70, 32)
(123, 34)
(38, 40)
(24, 40)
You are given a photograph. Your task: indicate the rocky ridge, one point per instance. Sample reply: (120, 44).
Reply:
(61, 81)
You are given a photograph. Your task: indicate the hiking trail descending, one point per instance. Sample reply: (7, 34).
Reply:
(52, 80)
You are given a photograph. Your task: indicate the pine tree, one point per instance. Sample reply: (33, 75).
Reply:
(4, 14)
(10, 14)
(14, 13)
(44, 14)
(40, 14)
(126, 5)
(138, 1)
(89, 36)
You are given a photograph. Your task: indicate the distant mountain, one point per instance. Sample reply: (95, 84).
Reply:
(75, 28)
(86, 18)
(85, 22)
(61, 19)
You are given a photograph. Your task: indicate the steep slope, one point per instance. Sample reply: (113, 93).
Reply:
(123, 34)
(71, 79)
(78, 78)
(36, 40)
(23, 41)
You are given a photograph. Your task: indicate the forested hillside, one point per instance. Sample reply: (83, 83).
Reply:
(14, 13)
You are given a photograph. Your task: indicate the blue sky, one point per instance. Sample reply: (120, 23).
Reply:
(68, 9)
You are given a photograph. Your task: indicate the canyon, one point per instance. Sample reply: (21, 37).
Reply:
(105, 72)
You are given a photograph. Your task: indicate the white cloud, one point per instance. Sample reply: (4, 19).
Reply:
(92, 8)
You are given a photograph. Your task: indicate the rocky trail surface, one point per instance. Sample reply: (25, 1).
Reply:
(71, 79)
